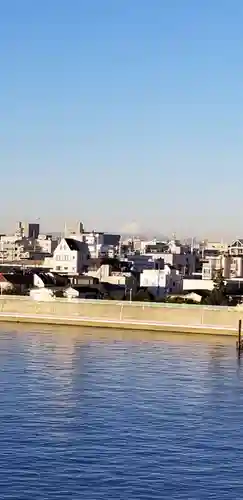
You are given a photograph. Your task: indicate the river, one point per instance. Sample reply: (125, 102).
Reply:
(100, 415)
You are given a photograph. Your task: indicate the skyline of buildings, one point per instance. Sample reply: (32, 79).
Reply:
(169, 266)
(66, 228)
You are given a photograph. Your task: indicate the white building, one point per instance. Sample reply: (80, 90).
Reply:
(185, 263)
(46, 244)
(174, 254)
(162, 282)
(218, 246)
(14, 249)
(172, 246)
(144, 244)
(105, 275)
(231, 266)
(236, 247)
(70, 257)
(100, 244)
(195, 284)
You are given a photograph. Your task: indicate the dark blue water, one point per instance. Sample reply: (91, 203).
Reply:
(85, 417)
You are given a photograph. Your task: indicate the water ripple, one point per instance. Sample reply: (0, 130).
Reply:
(89, 418)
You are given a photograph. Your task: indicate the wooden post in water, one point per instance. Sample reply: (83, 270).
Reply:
(239, 344)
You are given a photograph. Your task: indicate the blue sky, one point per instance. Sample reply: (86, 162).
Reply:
(123, 113)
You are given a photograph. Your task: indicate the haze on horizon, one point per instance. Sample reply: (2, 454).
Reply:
(122, 114)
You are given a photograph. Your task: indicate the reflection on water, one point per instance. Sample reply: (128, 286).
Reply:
(99, 414)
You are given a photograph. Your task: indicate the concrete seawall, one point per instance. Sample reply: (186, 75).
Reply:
(135, 315)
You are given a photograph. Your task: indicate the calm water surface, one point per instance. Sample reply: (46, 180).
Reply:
(84, 415)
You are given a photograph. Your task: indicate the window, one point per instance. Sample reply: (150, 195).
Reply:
(58, 268)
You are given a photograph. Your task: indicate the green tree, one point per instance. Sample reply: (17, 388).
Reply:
(219, 283)
(218, 295)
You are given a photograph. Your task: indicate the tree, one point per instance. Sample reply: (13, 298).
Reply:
(218, 295)
(219, 283)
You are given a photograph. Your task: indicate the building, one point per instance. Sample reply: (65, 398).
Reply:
(14, 249)
(20, 231)
(155, 247)
(214, 264)
(106, 274)
(22, 281)
(196, 285)
(236, 247)
(141, 262)
(46, 243)
(33, 231)
(136, 243)
(185, 263)
(8, 250)
(218, 246)
(100, 244)
(172, 246)
(174, 254)
(161, 282)
(127, 247)
(231, 266)
(147, 244)
(236, 267)
(70, 257)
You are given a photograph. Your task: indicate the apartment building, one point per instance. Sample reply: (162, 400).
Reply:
(99, 243)
(231, 266)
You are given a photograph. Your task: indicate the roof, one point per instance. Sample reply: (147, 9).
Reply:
(19, 278)
(46, 278)
(50, 279)
(235, 242)
(74, 244)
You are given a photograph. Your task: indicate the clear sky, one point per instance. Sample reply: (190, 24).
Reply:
(122, 113)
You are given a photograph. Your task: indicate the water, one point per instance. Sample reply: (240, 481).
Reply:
(98, 415)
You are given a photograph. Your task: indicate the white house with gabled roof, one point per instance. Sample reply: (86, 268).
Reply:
(70, 257)
(236, 247)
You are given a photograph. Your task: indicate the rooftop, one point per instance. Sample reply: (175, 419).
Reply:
(74, 244)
